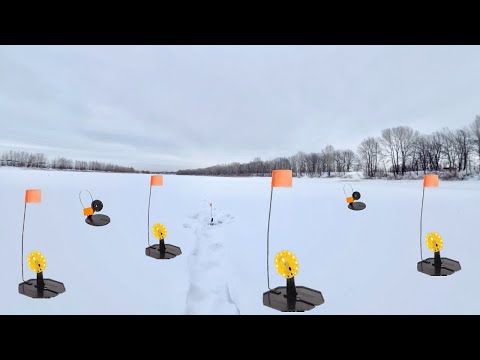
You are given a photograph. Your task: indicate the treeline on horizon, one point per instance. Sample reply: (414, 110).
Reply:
(396, 152)
(40, 161)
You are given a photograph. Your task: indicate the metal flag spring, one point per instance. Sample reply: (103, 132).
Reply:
(421, 225)
(80, 197)
(23, 232)
(148, 217)
(344, 189)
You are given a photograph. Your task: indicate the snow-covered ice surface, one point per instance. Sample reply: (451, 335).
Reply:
(209, 290)
(363, 262)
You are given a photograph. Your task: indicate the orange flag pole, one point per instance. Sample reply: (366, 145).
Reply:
(211, 213)
(155, 180)
(429, 180)
(31, 196)
(280, 178)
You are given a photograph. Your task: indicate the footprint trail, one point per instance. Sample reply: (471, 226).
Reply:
(209, 292)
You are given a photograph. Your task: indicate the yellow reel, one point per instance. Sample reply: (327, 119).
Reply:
(159, 231)
(434, 242)
(286, 264)
(36, 261)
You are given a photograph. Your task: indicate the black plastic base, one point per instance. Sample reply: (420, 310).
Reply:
(306, 299)
(97, 220)
(171, 251)
(448, 267)
(357, 206)
(52, 289)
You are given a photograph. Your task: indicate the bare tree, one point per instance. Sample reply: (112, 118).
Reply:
(313, 162)
(475, 131)
(328, 155)
(281, 163)
(449, 148)
(40, 160)
(464, 147)
(349, 158)
(369, 151)
(422, 148)
(436, 150)
(391, 148)
(338, 161)
(298, 162)
(256, 166)
(407, 137)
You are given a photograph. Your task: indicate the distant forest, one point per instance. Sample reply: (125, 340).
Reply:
(40, 161)
(397, 152)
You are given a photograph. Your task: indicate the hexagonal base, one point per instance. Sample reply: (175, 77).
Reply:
(449, 267)
(97, 220)
(52, 289)
(357, 206)
(306, 300)
(171, 251)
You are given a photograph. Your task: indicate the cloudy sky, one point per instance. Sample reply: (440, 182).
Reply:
(175, 107)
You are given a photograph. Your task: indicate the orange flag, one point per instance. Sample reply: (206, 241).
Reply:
(156, 180)
(88, 211)
(33, 196)
(282, 178)
(430, 180)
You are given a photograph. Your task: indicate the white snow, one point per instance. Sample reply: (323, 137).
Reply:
(363, 262)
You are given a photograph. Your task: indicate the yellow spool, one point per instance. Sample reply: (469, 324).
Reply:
(434, 241)
(159, 231)
(36, 261)
(286, 264)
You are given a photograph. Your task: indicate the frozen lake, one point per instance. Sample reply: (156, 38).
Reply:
(363, 262)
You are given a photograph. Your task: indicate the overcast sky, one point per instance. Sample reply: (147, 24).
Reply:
(176, 107)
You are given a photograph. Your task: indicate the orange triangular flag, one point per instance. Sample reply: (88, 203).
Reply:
(88, 211)
(430, 180)
(282, 178)
(156, 180)
(33, 196)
